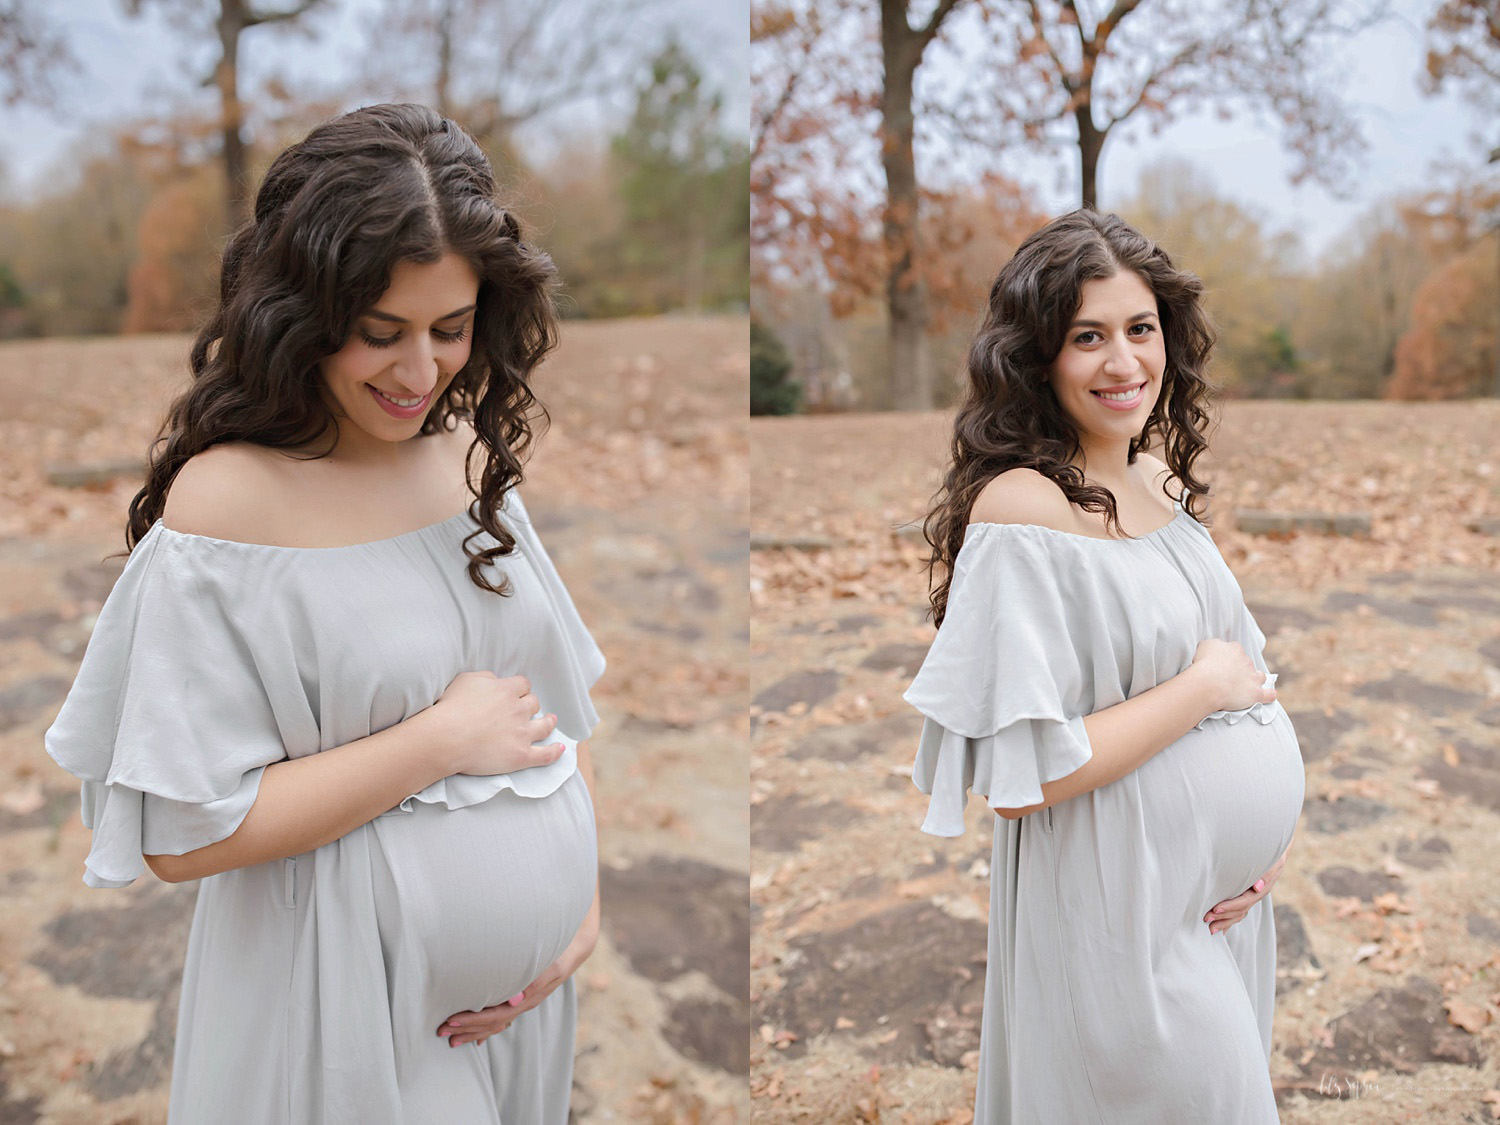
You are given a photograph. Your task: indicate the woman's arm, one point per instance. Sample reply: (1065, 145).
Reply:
(482, 725)
(1124, 737)
(304, 803)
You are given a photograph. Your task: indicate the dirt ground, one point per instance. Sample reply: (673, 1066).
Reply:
(640, 492)
(868, 937)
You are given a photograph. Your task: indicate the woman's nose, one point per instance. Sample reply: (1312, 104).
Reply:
(418, 368)
(1117, 358)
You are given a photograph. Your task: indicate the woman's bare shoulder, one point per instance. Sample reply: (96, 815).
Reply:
(229, 491)
(1023, 496)
(1159, 476)
(459, 440)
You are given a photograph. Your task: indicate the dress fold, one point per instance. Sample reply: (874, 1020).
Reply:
(213, 659)
(1107, 999)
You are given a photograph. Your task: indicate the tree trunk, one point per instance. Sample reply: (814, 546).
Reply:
(445, 60)
(906, 294)
(226, 75)
(1495, 389)
(1090, 145)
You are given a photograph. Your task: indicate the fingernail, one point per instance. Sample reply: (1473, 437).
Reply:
(517, 998)
(1260, 884)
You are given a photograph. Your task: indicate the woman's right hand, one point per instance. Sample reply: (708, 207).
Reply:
(485, 723)
(1232, 680)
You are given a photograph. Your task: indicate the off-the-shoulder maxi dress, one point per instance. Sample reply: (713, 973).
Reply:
(1107, 1000)
(314, 986)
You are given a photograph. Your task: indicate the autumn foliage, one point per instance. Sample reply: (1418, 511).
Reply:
(1450, 349)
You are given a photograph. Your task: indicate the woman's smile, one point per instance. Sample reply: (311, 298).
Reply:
(1126, 399)
(404, 407)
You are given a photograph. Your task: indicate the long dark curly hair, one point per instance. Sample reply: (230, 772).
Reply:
(1010, 417)
(336, 212)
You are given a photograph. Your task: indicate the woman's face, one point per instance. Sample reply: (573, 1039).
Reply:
(403, 352)
(1113, 345)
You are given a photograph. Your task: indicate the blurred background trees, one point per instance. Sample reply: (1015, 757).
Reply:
(612, 135)
(874, 267)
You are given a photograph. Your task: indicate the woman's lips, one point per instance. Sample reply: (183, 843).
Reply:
(1123, 404)
(400, 411)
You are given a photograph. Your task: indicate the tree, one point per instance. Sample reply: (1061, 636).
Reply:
(71, 251)
(172, 284)
(497, 65)
(232, 20)
(804, 83)
(681, 178)
(1246, 270)
(1092, 66)
(1354, 305)
(814, 210)
(901, 48)
(1463, 52)
(31, 53)
(1450, 349)
(771, 392)
(1045, 68)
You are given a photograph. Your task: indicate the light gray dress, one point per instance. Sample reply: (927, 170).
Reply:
(1107, 1000)
(314, 986)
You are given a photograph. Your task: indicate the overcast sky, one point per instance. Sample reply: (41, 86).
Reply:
(132, 67)
(1407, 134)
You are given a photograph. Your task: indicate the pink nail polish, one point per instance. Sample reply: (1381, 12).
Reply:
(1260, 885)
(517, 998)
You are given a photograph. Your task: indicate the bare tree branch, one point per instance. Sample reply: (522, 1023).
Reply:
(928, 31)
(1038, 25)
(1108, 24)
(254, 18)
(31, 53)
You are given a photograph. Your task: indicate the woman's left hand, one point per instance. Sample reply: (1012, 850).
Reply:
(476, 1027)
(1233, 910)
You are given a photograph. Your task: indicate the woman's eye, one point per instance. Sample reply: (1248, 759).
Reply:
(1084, 337)
(1147, 328)
(443, 337)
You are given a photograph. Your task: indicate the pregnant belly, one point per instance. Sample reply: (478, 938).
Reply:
(1236, 790)
(474, 903)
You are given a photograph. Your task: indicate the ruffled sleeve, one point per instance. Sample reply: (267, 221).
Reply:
(577, 662)
(563, 664)
(1006, 684)
(170, 722)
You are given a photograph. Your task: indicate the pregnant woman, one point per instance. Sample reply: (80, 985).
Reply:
(339, 680)
(1097, 678)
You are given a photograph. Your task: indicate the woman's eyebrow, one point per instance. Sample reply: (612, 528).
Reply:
(378, 315)
(1101, 324)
